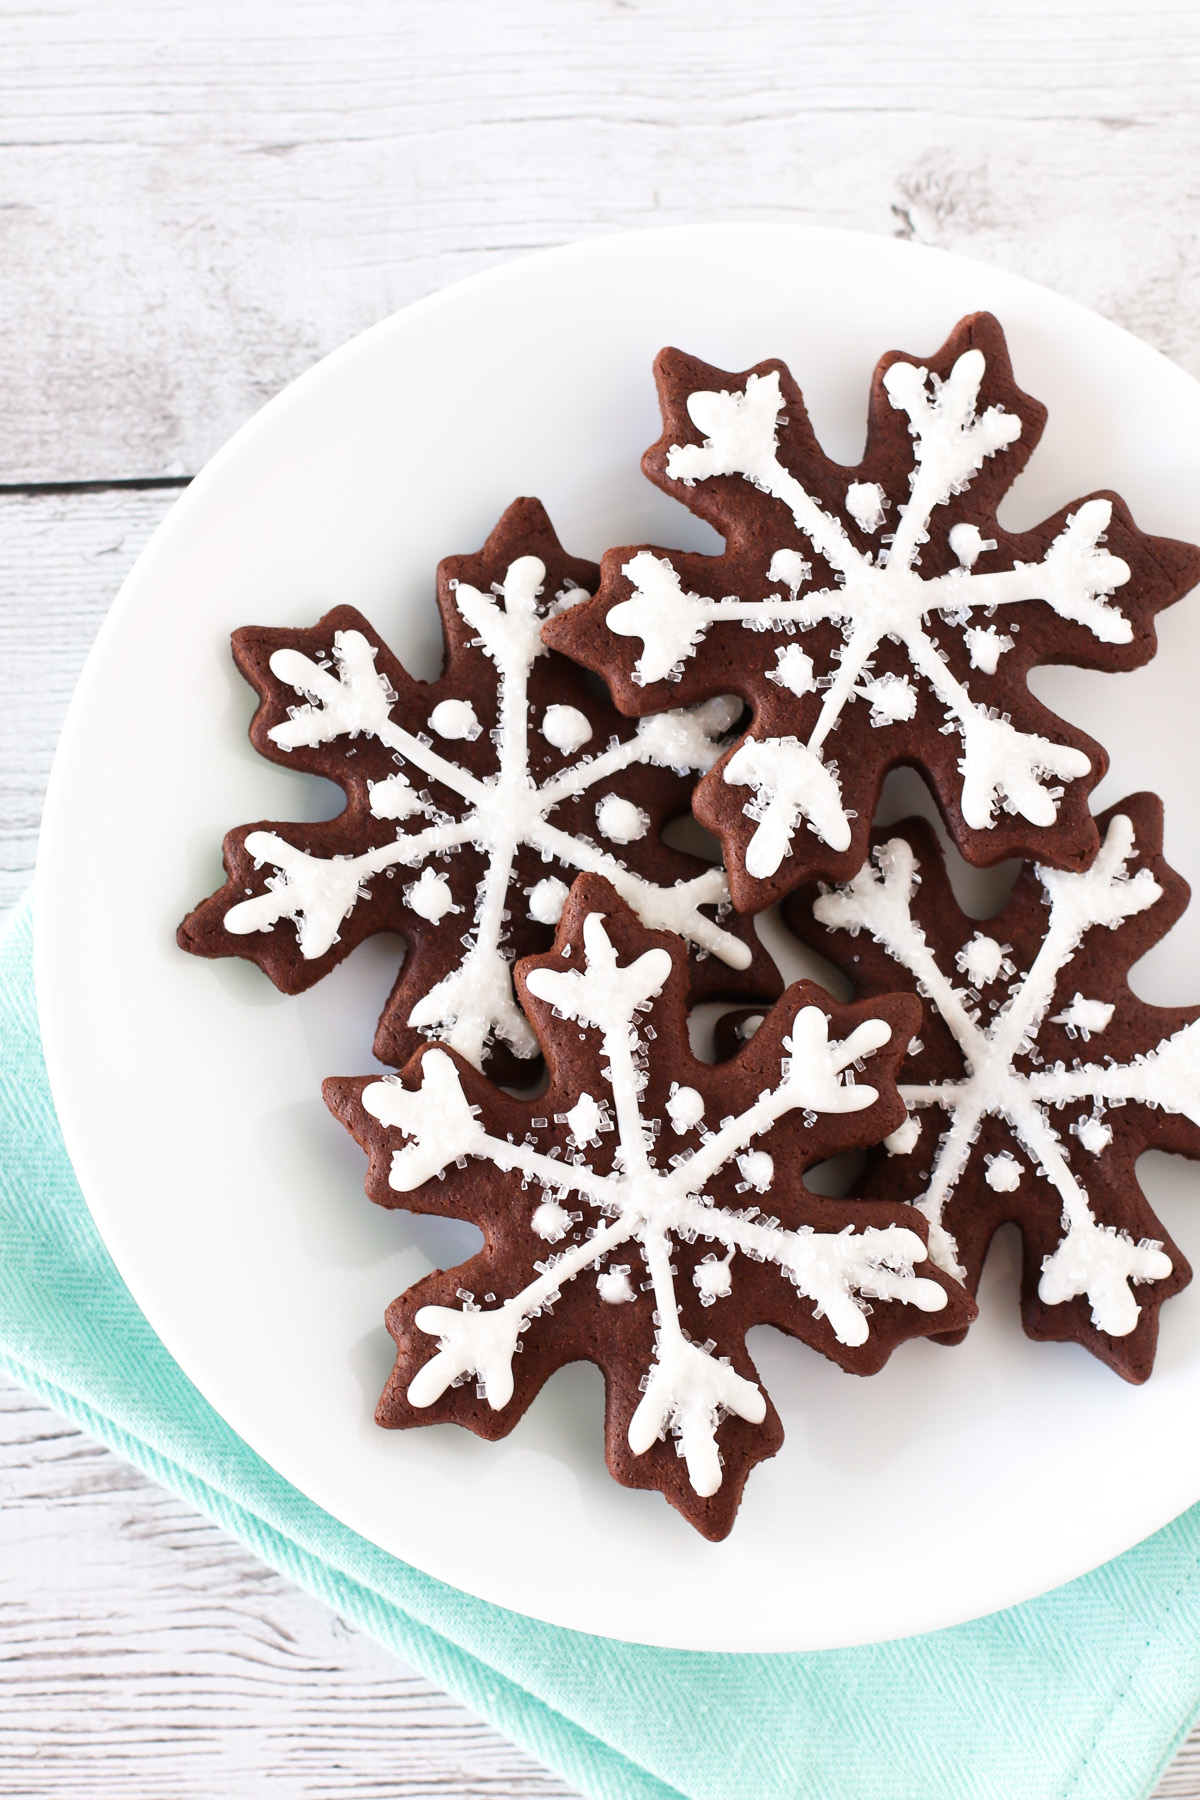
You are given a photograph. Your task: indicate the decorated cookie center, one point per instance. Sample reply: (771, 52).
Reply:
(879, 594)
(1008, 1078)
(497, 814)
(645, 1200)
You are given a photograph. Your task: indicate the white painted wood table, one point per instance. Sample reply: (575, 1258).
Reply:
(195, 204)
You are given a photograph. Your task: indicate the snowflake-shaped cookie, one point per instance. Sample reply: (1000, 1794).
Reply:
(1039, 1077)
(875, 615)
(646, 1210)
(471, 804)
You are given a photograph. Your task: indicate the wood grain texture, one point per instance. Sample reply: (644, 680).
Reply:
(197, 202)
(146, 1656)
(1182, 1779)
(62, 559)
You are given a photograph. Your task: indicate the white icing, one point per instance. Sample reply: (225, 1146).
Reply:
(866, 503)
(566, 728)
(1083, 1017)
(547, 898)
(430, 896)
(586, 1121)
(620, 820)
(790, 783)
(814, 1079)
(455, 719)
(689, 740)
(1003, 766)
(685, 1108)
(749, 1026)
(614, 1286)
(757, 1170)
(986, 646)
(968, 543)
(438, 1120)
(1093, 1134)
(1004, 1173)
(1092, 1258)
(981, 960)
(646, 1202)
(355, 699)
(316, 892)
(551, 1221)
(790, 569)
(794, 671)
(893, 698)
(878, 593)
(670, 622)
(393, 798)
(475, 1003)
(904, 1140)
(713, 1278)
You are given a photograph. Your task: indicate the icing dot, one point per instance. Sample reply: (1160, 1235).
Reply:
(986, 646)
(903, 1141)
(551, 1221)
(893, 698)
(1093, 1134)
(620, 821)
(455, 719)
(967, 542)
(793, 670)
(712, 1278)
(393, 798)
(790, 568)
(613, 1285)
(430, 897)
(865, 501)
(748, 1027)
(585, 1119)
(757, 1168)
(566, 728)
(547, 899)
(980, 960)
(1004, 1173)
(685, 1109)
(1085, 1016)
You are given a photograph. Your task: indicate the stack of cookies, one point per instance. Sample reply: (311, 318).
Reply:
(642, 1208)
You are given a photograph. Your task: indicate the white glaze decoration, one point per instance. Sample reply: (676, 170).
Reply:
(430, 897)
(474, 1004)
(455, 719)
(565, 728)
(878, 594)
(1092, 1258)
(547, 898)
(645, 1201)
(620, 820)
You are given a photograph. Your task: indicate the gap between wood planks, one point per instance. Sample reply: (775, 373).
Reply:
(134, 484)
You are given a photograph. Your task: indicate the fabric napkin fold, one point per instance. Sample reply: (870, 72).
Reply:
(1083, 1694)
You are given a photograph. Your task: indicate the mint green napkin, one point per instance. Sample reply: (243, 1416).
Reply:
(1082, 1695)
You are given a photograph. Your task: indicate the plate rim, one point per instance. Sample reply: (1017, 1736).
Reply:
(51, 1018)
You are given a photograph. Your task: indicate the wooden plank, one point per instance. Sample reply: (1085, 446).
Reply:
(62, 559)
(1182, 1779)
(197, 202)
(144, 1654)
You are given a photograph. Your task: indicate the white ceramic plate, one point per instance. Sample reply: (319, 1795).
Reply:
(955, 1482)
